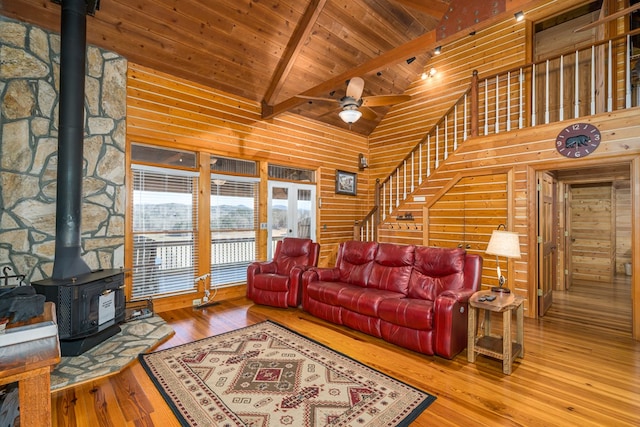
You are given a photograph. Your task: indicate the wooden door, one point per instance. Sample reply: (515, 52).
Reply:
(547, 241)
(592, 233)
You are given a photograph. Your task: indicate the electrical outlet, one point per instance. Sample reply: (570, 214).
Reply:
(197, 301)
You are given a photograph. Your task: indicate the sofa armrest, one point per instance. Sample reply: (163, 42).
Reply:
(461, 295)
(316, 274)
(331, 274)
(450, 313)
(294, 298)
(257, 267)
(472, 272)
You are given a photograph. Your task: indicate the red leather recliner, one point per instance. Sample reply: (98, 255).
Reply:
(278, 282)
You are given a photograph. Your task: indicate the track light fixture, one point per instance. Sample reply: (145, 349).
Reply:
(427, 75)
(410, 60)
(438, 50)
(519, 16)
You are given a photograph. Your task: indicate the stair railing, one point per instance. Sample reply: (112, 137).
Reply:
(606, 78)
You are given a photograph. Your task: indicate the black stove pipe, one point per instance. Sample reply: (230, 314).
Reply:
(73, 42)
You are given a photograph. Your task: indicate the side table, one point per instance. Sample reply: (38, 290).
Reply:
(499, 347)
(30, 363)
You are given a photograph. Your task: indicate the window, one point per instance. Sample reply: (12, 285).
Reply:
(234, 224)
(292, 174)
(165, 234)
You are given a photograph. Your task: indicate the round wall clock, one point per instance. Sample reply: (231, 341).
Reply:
(578, 140)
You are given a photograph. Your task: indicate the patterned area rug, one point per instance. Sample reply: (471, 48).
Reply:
(266, 375)
(112, 355)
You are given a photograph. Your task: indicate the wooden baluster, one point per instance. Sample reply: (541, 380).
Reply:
(576, 100)
(561, 93)
(475, 114)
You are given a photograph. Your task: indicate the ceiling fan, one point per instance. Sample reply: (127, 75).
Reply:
(354, 106)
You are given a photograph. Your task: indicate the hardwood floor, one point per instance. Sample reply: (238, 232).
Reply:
(576, 370)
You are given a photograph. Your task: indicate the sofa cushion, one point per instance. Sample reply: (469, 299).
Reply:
(365, 300)
(392, 267)
(436, 270)
(355, 261)
(408, 312)
(293, 252)
(326, 292)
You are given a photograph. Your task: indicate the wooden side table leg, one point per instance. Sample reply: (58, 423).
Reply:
(487, 323)
(520, 328)
(35, 398)
(472, 329)
(506, 342)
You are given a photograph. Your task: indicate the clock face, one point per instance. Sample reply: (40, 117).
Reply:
(578, 140)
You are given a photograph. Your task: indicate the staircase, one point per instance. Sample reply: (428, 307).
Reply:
(600, 78)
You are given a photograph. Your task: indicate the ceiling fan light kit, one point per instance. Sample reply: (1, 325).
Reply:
(354, 106)
(350, 116)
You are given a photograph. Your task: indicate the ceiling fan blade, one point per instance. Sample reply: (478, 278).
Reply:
(380, 100)
(368, 113)
(355, 87)
(317, 98)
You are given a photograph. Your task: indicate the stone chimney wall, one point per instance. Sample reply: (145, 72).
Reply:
(29, 92)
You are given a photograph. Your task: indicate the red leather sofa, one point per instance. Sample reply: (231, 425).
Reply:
(277, 282)
(412, 296)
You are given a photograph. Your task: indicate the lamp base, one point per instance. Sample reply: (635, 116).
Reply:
(500, 289)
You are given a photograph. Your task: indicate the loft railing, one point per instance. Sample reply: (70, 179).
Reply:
(600, 78)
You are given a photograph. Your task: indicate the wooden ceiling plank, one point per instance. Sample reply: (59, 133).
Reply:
(294, 46)
(395, 55)
(409, 49)
(434, 8)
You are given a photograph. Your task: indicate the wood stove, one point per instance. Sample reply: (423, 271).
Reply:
(89, 308)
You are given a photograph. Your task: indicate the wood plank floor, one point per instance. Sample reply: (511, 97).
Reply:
(580, 369)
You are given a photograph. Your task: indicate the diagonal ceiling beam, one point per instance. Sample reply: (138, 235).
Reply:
(418, 45)
(294, 46)
(435, 8)
(395, 55)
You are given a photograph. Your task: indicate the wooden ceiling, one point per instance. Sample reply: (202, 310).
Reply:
(272, 50)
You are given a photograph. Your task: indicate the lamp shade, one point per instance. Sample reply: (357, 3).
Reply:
(350, 116)
(504, 243)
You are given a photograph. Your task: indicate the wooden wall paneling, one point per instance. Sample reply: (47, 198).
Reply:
(635, 247)
(168, 111)
(591, 248)
(623, 203)
(466, 215)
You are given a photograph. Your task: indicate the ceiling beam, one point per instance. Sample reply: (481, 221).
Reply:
(436, 8)
(398, 54)
(608, 18)
(294, 46)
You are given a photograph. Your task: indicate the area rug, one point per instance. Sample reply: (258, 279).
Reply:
(112, 355)
(266, 375)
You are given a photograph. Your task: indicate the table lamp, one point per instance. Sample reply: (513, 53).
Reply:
(503, 243)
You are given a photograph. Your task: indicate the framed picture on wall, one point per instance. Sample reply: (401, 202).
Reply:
(346, 183)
